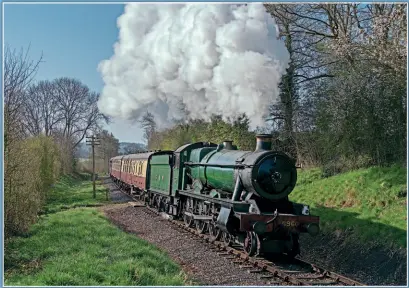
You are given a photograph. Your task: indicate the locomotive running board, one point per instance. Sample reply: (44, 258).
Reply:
(223, 202)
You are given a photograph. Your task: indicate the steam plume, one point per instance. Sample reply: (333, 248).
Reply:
(205, 58)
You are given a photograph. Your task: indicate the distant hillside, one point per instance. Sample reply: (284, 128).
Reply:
(84, 151)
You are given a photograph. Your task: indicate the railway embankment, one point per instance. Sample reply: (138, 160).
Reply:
(363, 215)
(74, 244)
(363, 220)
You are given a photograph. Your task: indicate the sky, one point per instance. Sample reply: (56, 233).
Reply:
(73, 39)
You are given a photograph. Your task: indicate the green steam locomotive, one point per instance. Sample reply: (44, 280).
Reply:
(235, 196)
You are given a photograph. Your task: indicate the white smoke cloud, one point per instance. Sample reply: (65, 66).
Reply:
(208, 58)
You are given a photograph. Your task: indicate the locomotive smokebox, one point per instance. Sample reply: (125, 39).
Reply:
(263, 142)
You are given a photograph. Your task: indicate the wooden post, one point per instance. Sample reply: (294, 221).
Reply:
(93, 141)
(93, 172)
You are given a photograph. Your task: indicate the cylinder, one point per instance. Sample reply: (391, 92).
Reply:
(263, 142)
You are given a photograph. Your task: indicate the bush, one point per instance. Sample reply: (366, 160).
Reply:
(31, 167)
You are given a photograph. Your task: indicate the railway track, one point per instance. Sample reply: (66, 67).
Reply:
(294, 272)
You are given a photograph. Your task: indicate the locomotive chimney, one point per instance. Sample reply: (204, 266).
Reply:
(263, 142)
(228, 144)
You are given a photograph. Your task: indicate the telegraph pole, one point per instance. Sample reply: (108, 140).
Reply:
(93, 141)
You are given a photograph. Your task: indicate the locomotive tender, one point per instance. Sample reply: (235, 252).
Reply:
(235, 196)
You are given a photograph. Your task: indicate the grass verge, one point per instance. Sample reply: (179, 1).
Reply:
(81, 247)
(369, 203)
(74, 191)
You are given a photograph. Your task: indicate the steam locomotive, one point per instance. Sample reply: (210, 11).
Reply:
(235, 196)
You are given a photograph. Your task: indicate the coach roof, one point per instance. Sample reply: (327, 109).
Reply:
(144, 155)
(117, 157)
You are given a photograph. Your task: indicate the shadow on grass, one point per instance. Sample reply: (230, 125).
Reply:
(366, 230)
(362, 249)
(370, 203)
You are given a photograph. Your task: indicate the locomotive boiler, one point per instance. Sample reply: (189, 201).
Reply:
(267, 174)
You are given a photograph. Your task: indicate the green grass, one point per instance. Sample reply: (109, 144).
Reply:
(81, 247)
(72, 192)
(371, 203)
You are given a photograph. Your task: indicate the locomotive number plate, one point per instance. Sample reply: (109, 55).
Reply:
(290, 223)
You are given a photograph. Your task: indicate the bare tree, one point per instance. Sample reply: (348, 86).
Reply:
(333, 47)
(76, 114)
(77, 109)
(353, 32)
(40, 108)
(19, 72)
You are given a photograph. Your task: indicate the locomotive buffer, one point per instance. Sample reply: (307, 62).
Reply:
(93, 141)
